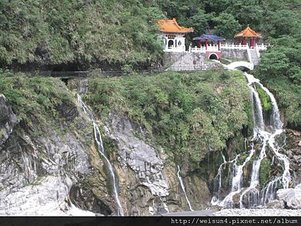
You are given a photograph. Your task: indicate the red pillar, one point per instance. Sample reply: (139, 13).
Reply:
(252, 42)
(200, 44)
(206, 44)
(244, 41)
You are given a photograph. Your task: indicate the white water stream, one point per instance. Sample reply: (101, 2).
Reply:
(101, 150)
(266, 134)
(183, 188)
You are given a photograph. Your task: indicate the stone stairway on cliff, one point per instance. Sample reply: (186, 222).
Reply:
(253, 56)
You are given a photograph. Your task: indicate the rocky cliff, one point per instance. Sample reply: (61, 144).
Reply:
(37, 173)
(50, 164)
(148, 180)
(60, 171)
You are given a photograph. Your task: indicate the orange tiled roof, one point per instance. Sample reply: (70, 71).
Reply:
(171, 26)
(248, 33)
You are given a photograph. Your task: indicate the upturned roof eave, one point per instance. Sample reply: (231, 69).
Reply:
(178, 32)
(172, 26)
(247, 33)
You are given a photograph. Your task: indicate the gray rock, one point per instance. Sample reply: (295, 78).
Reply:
(8, 120)
(275, 204)
(291, 197)
(139, 156)
(37, 173)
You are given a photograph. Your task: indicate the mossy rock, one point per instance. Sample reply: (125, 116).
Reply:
(264, 98)
(264, 172)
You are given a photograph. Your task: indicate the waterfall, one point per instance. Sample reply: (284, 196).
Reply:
(101, 150)
(257, 108)
(236, 180)
(252, 192)
(254, 195)
(218, 180)
(183, 188)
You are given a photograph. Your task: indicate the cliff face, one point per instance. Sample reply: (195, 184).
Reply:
(8, 120)
(148, 179)
(60, 171)
(38, 172)
(294, 152)
(53, 166)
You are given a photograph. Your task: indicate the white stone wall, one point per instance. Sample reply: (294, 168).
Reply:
(173, 42)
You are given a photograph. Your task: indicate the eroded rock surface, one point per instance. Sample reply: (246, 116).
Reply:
(140, 157)
(146, 165)
(294, 152)
(291, 197)
(148, 178)
(8, 120)
(38, 171)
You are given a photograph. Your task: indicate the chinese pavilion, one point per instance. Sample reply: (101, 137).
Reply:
(248, 35)
(210, 44)
(173, 35)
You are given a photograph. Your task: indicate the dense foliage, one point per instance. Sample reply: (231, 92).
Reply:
(35, 100)
(77, 33)
(280, 65)
(191, 113)
(226, 17)
(279, 23)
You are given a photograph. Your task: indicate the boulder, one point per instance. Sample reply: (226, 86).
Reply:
(291, 197)
(296, 133)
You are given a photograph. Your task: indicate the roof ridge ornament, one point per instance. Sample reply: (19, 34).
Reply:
(248, 33)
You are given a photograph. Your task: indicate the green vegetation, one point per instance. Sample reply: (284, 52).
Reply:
(279, 24)
(264, 171)
(280, 66)
(186, 113)
(226, 17)
(280, 69)
(264, 98)
(181, 111)
(77, 34)
(35, 100)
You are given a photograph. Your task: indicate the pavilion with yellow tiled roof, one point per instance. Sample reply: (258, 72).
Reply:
(173, 35)
(246, 34)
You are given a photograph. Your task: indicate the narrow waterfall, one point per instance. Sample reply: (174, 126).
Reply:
(183, 188)
(236, 181)
(101, 150)
(254, 194)
(218, 182)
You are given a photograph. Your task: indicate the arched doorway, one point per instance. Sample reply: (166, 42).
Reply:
(213, 56)
(170, 43)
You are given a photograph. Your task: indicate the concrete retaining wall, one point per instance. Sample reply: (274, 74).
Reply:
(188, 61)
(235, 54)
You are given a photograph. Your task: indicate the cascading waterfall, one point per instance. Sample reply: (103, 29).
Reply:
(276, 122)
(183, 188)
(236, 181)
(254, 195)
(218, 181)
(101, 150)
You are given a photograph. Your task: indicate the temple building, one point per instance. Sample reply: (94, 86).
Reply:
(248, 36)
(210, 44)
(173, 35)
